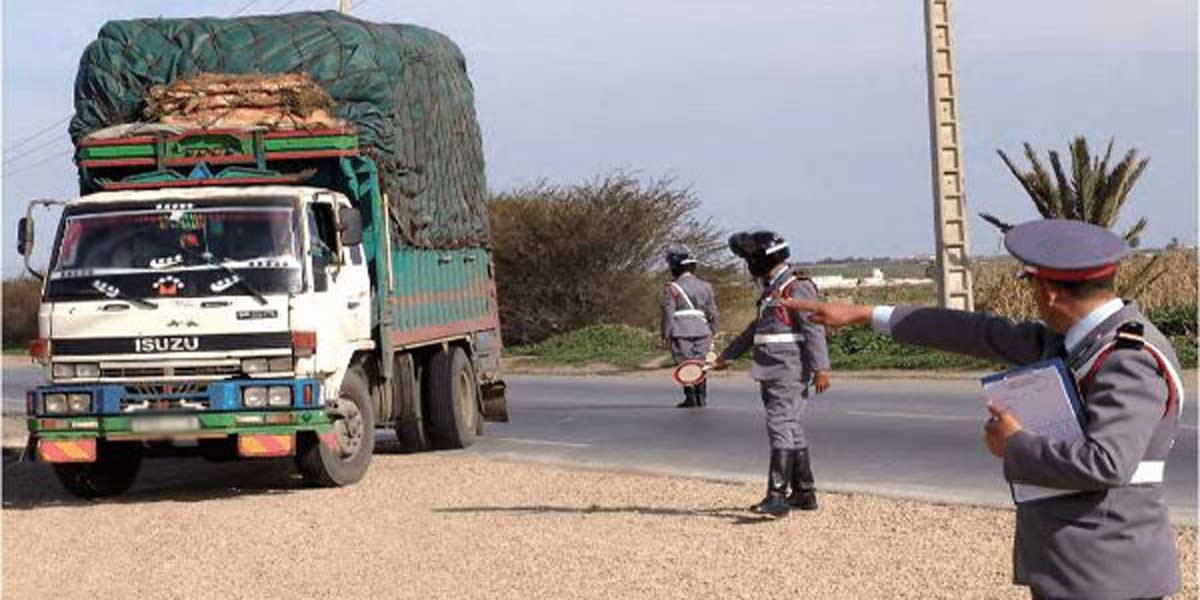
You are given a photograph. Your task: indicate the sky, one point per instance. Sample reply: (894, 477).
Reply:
(808, 117)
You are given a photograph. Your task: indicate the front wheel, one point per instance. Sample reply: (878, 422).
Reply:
(117, 465)
(341, 456)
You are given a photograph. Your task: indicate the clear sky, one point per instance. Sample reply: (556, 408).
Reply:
(805, 116)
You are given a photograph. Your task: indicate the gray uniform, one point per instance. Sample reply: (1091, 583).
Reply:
(689, 317)
(788, 349)
(1113, 538)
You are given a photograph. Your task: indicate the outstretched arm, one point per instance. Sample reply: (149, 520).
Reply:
(977, 334)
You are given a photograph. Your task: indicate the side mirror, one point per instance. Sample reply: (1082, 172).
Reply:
(25, 236)
(350, 224)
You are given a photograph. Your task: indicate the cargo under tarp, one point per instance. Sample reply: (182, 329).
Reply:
(403, 87)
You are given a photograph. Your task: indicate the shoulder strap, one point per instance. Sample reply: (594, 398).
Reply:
(1130, 337)
(679, 290)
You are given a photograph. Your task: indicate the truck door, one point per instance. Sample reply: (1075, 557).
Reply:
(341, 290)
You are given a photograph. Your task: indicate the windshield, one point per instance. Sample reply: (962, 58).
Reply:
(164, 239)
(171, 249)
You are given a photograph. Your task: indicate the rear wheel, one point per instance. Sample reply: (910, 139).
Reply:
(406, 390)
(452, 400)
(116, 466)
(342, 457)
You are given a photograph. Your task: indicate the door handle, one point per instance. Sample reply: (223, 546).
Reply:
(469, 258)
(353, 304)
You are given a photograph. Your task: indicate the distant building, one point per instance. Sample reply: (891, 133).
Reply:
(876, 279)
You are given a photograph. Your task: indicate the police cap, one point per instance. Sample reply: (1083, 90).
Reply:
(1065, 250)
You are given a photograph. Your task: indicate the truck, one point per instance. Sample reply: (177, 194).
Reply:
(242, 292)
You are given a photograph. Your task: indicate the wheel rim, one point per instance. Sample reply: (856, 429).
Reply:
(348, 428)
(465, 401)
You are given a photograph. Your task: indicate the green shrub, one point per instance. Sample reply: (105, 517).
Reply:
(856, 348)
(619, 345)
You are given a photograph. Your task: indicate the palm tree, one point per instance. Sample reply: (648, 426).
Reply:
(1090, 192)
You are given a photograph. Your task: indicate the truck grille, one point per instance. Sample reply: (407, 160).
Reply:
(183, 396)
(116, 372)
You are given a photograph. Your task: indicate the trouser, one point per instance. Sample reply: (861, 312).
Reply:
(784, 404)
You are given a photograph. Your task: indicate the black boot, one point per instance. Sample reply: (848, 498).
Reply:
(775, 504)
(702, 393)
(689, 397)
(804, 496)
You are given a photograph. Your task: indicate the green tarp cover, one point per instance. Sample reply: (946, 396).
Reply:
(404, 87)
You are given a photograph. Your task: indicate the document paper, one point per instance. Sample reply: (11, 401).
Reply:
(1042, 397)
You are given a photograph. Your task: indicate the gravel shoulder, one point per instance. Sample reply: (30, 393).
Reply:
(456, 525)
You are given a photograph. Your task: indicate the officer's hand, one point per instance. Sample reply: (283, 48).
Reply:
(821, 381)
(719, 365)
(828, 313)
(999, 428)
(663, 344)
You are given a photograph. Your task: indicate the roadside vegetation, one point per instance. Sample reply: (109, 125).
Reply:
(20, 307)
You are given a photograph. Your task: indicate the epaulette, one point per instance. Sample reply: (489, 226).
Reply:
(1131, 336)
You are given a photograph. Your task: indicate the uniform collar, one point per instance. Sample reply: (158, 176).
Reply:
(773, 279)
(1081, 329)
(685, 274)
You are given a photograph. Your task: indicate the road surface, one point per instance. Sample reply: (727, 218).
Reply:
(912, 438)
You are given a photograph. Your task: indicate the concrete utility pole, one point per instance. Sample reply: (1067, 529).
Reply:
(343, 6)
(945, 144)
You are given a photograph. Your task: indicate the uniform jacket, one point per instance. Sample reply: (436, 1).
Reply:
(779, 360)
(1113, 539)
(677, 322)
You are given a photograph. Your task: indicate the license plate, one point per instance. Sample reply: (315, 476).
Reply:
(165, 424)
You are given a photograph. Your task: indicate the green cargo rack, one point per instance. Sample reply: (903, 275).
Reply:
(186, 159)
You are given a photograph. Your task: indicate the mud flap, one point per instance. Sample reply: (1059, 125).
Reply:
(494, 401)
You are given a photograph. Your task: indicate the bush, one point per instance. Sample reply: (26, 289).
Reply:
(620, 345)
(856, 348)
(21, 299)
(571, 256)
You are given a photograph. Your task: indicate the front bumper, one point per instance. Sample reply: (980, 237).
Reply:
(119, 413)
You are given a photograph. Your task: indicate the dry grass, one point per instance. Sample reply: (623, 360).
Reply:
(21, 298)
(1163, 280)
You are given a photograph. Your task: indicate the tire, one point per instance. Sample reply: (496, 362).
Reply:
(451, 400)
(354, 428)
(116, 466)
(406, 391)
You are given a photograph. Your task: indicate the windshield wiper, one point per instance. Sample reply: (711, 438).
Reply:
(234, 278)
(113, 291)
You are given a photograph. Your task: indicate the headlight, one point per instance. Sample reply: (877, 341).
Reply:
(254, 397)
(279, 395)
(63, 370)
(54, 403)
(79, 403)
(89, 370)
(283, 364)
(251, 366)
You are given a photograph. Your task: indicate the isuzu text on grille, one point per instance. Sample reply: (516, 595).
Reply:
(167, 344)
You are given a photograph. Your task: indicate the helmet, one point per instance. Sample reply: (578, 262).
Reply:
(761, 250)
(680, 258)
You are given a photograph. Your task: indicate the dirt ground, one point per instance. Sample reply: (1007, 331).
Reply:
(455, 525)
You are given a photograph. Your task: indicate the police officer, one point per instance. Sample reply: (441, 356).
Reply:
(1112, 537)
(689, 317)
(789, 354)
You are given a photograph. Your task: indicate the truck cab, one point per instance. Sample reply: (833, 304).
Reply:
(198, 316)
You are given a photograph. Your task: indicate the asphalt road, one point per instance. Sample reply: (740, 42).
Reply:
(901, 437)
(912, 438)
